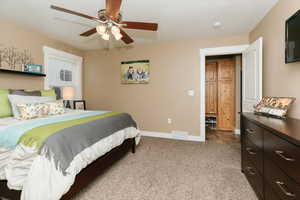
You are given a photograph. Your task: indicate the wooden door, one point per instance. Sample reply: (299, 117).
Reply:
(211, 71)
(226, 94)
(211, 94)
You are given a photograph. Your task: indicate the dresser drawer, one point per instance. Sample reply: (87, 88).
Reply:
(269, 193)
(281, 184)
(254, 178)
(254, 154)
(286, 155)
(254, 133)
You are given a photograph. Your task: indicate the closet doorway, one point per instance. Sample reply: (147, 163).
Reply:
(222, 95)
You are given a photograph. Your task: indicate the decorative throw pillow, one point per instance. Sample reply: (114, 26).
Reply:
(48, 93)
(5, 108)
(274, 106)
(17, 99)
(32, 110)
(25, 92)
(56, 107)
(58, 92)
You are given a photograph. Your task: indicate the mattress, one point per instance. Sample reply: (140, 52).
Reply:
(24, 166)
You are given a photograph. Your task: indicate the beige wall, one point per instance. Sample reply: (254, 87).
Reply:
(13, 35)
(279, 79)
(175, 69)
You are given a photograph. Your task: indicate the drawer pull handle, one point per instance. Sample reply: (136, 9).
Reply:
(250, 131)
(281, 185)
(251, 171)
(250, 151)
(281, 154)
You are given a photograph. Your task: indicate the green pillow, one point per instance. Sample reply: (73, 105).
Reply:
(5, 108)
(4, 91)
(48, 93)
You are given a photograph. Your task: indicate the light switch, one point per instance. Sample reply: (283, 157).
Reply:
(191, 93)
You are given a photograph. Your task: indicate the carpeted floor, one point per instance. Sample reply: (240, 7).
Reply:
(164, 169)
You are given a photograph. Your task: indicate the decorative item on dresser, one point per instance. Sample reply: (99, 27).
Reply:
(271, 156)
(79, 105)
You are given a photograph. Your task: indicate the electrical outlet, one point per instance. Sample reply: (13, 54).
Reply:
(169, 121)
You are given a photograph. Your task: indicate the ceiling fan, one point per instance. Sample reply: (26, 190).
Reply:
(110, 21)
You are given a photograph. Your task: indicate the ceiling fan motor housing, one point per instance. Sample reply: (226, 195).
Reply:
(103, 17)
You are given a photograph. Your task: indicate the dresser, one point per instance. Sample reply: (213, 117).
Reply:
(271, 156)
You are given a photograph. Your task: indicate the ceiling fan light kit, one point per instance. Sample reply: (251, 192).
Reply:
(115, 30)
(101, 29)
(110, 21)
(105, 36)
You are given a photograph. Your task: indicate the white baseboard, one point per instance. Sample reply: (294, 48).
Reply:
(237, 131)
(171, 136)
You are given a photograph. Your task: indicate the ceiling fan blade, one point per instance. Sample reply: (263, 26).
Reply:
(126, 38)
(140, 25)
(113, 8)
(89, 32)
(73, 12)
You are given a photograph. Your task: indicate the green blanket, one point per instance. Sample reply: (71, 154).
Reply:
(37, 136)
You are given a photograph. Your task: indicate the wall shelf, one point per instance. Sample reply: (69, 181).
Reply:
(21, 73)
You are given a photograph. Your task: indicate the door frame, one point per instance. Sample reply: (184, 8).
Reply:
(226, 50)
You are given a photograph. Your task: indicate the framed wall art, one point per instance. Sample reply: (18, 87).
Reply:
(135, 72)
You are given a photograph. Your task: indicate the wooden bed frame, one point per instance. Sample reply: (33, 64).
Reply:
(86, 176)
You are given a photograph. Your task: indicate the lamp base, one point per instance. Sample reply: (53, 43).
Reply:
(67, 104)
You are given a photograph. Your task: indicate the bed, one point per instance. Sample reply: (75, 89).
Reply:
(55, 157)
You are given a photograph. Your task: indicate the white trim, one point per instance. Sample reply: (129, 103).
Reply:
(61, 55)
(212, 52)
(171, 136)
(237, 131)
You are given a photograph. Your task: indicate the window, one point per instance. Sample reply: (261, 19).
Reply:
(63, 69)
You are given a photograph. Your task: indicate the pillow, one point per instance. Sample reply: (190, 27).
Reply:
(17, 99)
(57, 92)
(48, 93)
(25, 93)
(5, 109)
(4, 91)
(56, 107)
(32, 110)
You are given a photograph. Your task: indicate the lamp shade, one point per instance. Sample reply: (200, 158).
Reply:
(101, 29)
(68, 93)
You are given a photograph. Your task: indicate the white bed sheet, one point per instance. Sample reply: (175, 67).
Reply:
(37, 176)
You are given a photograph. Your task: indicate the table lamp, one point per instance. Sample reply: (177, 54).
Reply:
(68, 94)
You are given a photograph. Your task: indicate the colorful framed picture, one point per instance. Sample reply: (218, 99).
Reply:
(79, 105)
(274, 106)
(135, 72)
(33, 68)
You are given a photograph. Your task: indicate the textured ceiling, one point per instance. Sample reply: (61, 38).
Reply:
(178, 19)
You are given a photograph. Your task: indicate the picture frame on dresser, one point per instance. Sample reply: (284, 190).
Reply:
(79, 105)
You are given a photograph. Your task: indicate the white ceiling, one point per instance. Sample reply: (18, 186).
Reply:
(178, 19)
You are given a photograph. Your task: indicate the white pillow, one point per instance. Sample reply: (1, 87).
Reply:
(18, 99)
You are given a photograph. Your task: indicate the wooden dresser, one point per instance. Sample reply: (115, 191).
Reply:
(271, 156)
